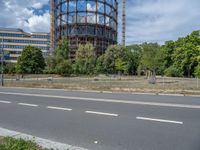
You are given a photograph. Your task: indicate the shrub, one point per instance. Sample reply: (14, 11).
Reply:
(173, 72)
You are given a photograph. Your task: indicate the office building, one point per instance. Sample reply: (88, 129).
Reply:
(14, 40)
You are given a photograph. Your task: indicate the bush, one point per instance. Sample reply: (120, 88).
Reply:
(173, 72)
(10, 69)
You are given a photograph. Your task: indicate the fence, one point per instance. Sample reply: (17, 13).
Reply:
(110, 83)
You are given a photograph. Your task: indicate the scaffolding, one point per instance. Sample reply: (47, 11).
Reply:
(84, 21)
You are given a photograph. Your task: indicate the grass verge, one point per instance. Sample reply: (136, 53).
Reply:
(9, 143)
(165, 85)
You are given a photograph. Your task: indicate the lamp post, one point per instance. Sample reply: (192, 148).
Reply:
(2, 59)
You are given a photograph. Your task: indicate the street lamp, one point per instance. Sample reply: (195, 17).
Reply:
(2, 59)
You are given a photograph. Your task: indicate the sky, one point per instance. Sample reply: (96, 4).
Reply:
(147, 20)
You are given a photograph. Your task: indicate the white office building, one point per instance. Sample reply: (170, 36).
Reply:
(14, 40)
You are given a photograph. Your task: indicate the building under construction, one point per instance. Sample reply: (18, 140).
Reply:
(84, 21)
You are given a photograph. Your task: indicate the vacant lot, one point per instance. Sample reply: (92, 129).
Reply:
(108, 83)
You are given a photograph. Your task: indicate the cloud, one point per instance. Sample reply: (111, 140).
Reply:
(21, 14)
(38, 23)
(147, 20)
(161, 20)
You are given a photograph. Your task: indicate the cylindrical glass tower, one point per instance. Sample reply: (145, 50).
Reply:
(86, 21)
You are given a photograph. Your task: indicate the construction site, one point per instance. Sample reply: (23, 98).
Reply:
(84, 21)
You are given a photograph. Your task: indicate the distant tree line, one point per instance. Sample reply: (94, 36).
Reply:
(179, 58)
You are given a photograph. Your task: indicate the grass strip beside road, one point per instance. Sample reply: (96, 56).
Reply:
(9, 143)
(129, 84)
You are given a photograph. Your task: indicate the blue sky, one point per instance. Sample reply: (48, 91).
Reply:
(147, 20)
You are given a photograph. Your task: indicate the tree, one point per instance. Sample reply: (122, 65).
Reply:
(59, 62)
(168, 49)
(121, 66)
(151, 57)
(197, 71)
(134, 53)
(62, 50)
(85, 59)
(31, 61)
(170, 69)
(110, 57)
(64, 68)
(99, 68)
(51, 65)
(186, 53)
(197, 68)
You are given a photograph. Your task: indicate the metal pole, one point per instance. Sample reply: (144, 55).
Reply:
(2, 59)
(163, 83)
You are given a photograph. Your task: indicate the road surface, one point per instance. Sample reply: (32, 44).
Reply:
(103, 121)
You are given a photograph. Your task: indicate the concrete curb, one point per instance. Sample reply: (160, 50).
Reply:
(45, 143)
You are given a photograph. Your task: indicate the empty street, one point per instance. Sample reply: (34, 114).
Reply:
(103, 121)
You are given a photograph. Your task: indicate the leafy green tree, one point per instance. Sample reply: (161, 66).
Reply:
(99, 68)
(121, 66)
(64, 68)
(85, 59)
(110, 57)
(197, 71)
(51, 65)
(186, 53)
(62, 50)
(59, 62)
(151, 57)
(197, 68)
(168, 49)
(30, 61)
(134, 53)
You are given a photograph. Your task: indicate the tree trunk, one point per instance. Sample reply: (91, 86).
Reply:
(154, 74)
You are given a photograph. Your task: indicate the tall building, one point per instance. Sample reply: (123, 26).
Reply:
(14, 40)
(84, 21)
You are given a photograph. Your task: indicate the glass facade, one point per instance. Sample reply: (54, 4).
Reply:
(14, 40)
(21, 47)
(23, 35)
(24, 41)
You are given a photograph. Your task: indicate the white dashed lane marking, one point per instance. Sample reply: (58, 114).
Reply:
(159, 120)
(101, 113)
(5, 102)
(59, 108)
(26, 104)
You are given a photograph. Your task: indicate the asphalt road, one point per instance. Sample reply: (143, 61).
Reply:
(103, 121)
